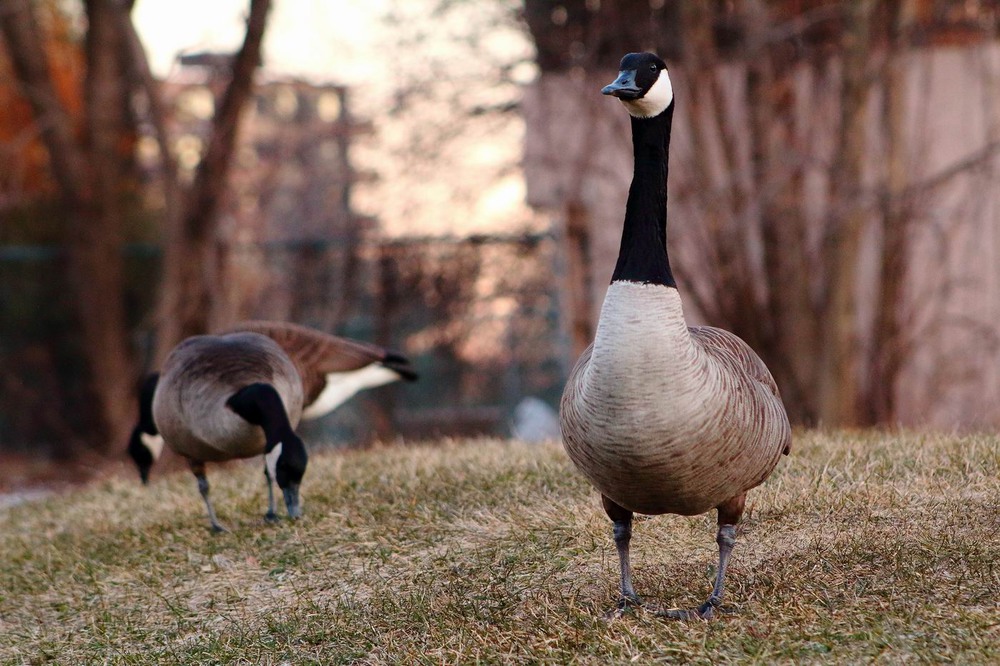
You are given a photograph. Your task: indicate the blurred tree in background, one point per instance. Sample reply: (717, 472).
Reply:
(797, 180)
(81, 91)
(458, 283)
(807, 187)
(89, 155)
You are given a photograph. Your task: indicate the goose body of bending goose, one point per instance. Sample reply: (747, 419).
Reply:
(659, 416)
(312, 373)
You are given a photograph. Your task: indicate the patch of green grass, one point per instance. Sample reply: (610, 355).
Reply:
(863, 546)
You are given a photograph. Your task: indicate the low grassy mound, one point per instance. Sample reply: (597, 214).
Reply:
(861, 547)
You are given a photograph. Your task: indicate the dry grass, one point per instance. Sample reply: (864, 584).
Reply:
(862, 547)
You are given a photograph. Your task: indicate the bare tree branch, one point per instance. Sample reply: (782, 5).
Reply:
(91, 172)
(210, 178)
(186, 291)
(143, 79)
(976, 160)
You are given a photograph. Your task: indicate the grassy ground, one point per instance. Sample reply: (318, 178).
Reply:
(862, 547)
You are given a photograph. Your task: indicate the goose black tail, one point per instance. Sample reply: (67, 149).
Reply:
(401, 365)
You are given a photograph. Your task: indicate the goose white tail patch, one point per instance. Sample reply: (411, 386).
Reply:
(152, 442)
(271, 461)
(341, 386)
(655, 101)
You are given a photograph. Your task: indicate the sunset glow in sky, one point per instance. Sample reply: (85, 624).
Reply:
(314, 39)
(471, 181)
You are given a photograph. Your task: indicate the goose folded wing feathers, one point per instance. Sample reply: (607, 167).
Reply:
(739, 360)
(317, 354)
(734, 354)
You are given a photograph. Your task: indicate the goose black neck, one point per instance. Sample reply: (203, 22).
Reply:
(643, 254)
(261, 405)
(146, 393)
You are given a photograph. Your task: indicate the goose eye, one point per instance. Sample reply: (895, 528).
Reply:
(653, 67)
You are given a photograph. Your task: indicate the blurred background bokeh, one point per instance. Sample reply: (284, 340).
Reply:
(444, 178)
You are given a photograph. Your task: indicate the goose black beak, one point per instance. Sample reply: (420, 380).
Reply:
(291, 494)
(624, 86)
(140, 455)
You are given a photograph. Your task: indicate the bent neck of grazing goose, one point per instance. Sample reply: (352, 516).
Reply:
(261, 405)
(285, 455)
(642, 256)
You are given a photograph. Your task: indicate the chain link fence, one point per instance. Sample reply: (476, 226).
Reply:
(478, 316)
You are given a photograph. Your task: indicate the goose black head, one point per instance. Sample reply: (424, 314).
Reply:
(643, 85)
(286, 463)
(146, 443)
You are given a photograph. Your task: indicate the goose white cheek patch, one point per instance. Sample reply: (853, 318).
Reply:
(655, 101)
(271, 461)
(152, 442)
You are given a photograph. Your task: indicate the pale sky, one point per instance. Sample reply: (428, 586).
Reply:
(467, 186)
(320, 40)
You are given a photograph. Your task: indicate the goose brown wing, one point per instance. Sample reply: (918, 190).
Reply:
(736, 356)
(317, 354)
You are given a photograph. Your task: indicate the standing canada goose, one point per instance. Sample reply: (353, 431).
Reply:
(661, 417)
(329, 369)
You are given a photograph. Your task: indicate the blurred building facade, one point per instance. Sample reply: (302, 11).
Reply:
(478, 313)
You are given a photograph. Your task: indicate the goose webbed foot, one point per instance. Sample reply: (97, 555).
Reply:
(217, 528)
(682, 614)
(706, 611)
(631, 600)
(729, 515)
(271, 517)
(626, 605)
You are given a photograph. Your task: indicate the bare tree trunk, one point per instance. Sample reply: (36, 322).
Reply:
(578, 278)
(98, 239)
(777, 174)
(839, 379)
(91, 195)
(890, 347)
(777, 321)
(188, 256)
(143, 80)
(725, 265)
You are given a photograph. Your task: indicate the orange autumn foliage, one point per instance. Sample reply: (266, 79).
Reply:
(21, 147)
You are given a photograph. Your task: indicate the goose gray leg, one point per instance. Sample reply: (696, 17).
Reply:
(730, 513)
(622, 519)
(271, 516)
(198, 468)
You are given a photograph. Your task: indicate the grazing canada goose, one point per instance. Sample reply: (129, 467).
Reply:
(241, 393)
(661, 417)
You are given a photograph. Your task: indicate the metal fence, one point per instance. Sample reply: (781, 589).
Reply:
(478, 316)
